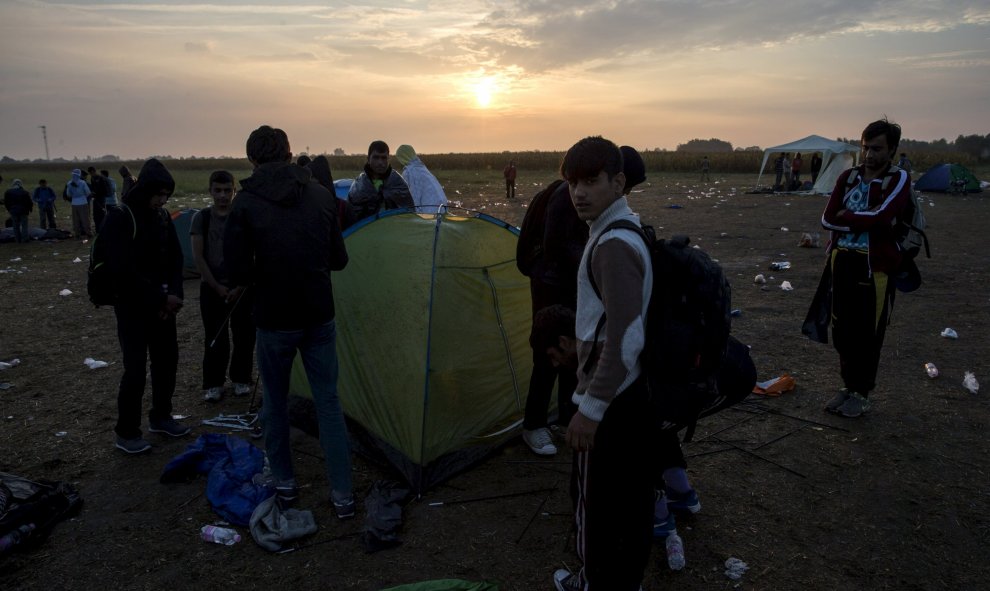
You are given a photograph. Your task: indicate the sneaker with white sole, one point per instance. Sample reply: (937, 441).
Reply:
(132, 446)
(169, 426)
(540, 441)
(565, 580)
(343, 505)
(213, 394)
(241, 389)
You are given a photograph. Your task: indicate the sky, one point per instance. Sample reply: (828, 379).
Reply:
(187, 78)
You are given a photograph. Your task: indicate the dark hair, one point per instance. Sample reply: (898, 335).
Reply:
(40, 181)
(303, 160)
(589, 157)
(105, 173)
(883, 127)
(377, 146)
(221, 176)
(268, 144)
(549, 324)
(91, 170)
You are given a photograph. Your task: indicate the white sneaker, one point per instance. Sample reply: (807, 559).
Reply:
(241, 389)
(540, 442)
(213, 394)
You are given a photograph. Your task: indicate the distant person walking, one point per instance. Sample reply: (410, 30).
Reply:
(705, 169)
(17, 202)
(77, 193)
(509, 172)
(787, 171)
(45, 197)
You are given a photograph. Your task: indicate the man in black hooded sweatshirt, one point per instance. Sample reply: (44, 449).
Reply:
(283, 239)
(142, 253)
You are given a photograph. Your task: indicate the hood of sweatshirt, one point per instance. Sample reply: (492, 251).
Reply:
(279, 182)
(153, 178)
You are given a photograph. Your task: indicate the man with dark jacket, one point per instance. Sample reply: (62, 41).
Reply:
(17, 202)
(283, 239)
(378, 187)
(127, 180)
(44, 196)
(101, 190)
(141, 250)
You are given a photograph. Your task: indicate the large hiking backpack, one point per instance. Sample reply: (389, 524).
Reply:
(101, 284)
(529, 248)
(687, 331)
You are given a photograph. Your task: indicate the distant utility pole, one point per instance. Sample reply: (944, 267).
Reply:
(44, 134)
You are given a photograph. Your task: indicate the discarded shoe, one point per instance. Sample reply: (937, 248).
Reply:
(213, 394)
(241, 389)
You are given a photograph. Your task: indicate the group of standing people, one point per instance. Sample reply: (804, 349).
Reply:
(591, 294)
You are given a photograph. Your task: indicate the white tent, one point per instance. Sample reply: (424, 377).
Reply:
(836, 157)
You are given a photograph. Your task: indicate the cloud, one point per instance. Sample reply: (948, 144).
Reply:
(201, 47)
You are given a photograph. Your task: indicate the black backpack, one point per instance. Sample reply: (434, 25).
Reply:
(101, 284)
(687, 332)
(529, 248)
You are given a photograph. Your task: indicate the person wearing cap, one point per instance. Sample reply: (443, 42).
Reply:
(864, 260)
(17, 202)
(426, 191)
(140, 247)
(378, 187)
(553, 280)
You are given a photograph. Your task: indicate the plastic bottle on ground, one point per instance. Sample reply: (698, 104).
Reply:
(675, 552)
(220, 535)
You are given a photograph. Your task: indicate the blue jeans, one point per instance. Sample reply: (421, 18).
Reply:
(318, 347)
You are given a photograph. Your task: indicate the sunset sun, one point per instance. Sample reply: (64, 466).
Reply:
(484, 89)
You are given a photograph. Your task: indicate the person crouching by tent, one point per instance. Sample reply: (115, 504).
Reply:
(222, 303)
(142, 251)
(283, 239)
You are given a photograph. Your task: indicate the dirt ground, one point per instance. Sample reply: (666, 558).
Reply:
(899, 499)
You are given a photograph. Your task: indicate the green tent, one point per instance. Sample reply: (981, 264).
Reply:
(433, 322)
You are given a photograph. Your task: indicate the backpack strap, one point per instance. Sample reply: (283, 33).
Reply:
(628, 225)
